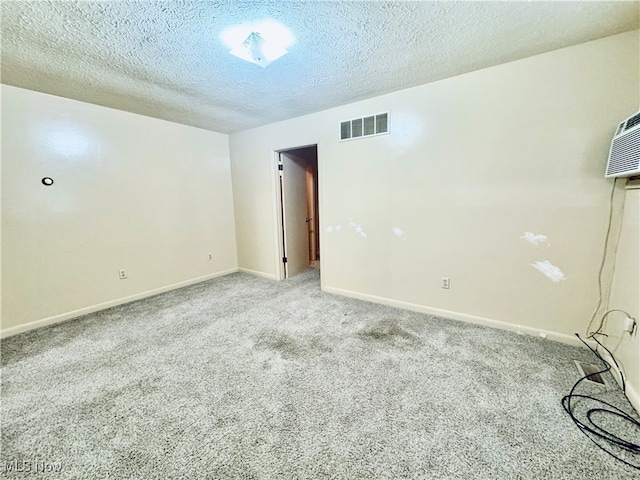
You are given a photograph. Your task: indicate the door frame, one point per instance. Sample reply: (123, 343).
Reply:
(277, 208)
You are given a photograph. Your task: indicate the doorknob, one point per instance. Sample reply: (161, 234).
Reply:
(308, 219)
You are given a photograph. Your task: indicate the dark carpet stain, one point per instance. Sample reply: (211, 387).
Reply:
(388, 332)
(291, 347)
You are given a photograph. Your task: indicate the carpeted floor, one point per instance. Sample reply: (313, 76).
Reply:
(241, 378)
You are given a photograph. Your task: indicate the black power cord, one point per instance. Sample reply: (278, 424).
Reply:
(603, 438)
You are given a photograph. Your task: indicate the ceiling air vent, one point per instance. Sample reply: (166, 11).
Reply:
(368, 126)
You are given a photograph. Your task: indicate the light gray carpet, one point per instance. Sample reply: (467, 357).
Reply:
(241, 377)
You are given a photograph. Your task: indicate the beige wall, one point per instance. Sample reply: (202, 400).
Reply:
(471, 164)
(625, 295)
(131, 192)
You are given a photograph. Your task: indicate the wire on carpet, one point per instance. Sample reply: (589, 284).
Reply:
(606, 440)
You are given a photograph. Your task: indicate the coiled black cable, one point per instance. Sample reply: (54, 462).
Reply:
(594, 431)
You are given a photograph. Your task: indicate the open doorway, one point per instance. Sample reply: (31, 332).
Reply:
(299, 209)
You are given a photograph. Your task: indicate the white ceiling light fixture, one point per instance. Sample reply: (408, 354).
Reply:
(256, 49)
(260, 43)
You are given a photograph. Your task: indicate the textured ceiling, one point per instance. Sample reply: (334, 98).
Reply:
(166, 59)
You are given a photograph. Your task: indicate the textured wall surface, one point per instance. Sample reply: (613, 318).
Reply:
(166, 59)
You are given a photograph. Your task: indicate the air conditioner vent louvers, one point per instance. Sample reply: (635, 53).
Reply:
(633, 121)
(364, 126)
(624, 155)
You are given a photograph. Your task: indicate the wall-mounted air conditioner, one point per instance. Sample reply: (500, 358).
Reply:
(624, 156)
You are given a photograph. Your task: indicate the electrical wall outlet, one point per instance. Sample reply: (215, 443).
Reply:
(629, 325)
(123, 274)
(210, 256)
(446, 282)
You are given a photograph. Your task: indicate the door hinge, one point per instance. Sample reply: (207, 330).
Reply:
(284, 259)
(280, 167)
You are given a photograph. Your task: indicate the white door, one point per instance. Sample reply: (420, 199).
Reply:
(294, 210)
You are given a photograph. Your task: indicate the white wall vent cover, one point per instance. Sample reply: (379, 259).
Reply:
(624, 156)
(368, 126)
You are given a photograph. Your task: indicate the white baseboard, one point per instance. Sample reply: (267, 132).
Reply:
(633, 396)
(558, 337)
(25, 327)
(630, 389)
(258, 274)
